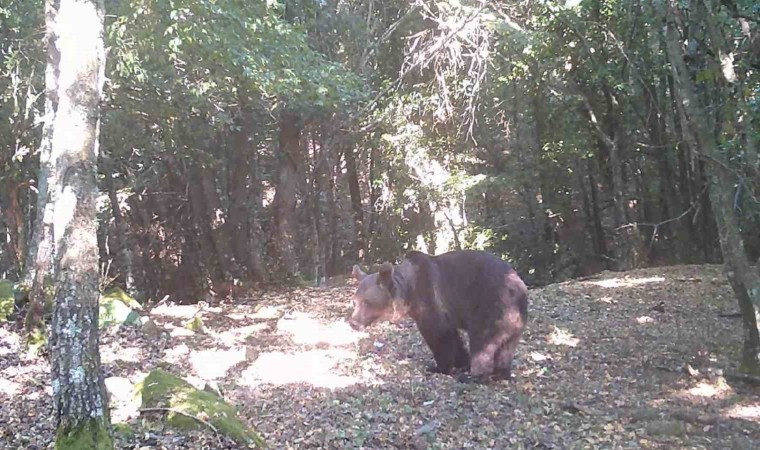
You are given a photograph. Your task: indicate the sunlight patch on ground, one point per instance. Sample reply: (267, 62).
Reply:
(9, 342)
(312, 367)
(749, 412)
(176, 331)
(644, 319)
(536, 356)
(306, 330)
(237, 336)
(607, 300)
(111, 354)
(9, 388)
(625, 282)
(175, 355)
(182, 311)
(562, 337)
(214, 364)
(17, 371)
(267, 312)
(125, 404)
(707, 389)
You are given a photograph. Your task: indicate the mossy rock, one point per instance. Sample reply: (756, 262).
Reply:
(195, 324)
(116, 307)
(161, 389)
(118, 293)
(7, 299)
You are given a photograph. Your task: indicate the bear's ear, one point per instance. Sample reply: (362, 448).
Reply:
(358, 273)
(384, 275)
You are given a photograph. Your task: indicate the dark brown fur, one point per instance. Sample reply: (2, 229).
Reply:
(462, 290)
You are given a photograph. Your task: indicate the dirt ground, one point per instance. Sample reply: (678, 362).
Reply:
(642, 359)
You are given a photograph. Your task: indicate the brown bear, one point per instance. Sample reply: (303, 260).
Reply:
(460, 290)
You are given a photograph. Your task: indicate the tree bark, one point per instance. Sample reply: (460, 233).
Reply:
(284, 202)
(318, 189)
(39, 267)
(242, 153)
(333, 210)
(124, 253)
(77, 49)
(41, 234)
(354, 189)
(216, 218)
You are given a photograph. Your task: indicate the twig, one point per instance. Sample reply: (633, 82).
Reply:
(161, 302)
(672, 219)
(730, 315)
(696, 419)
(576, 408)
(182, 413)
(657, 226)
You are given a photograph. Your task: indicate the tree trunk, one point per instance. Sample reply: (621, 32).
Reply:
(42, 220)
(744, 280)
(609, 140)
(77, 49)
(374, 196)
(333, 262)
(242, 153)
(217, 221)
(318, 189)
(600, 237)
(39, 267)
(360, 244)
(667, 187)
(202, 225)
(124, 253)
(284, 202)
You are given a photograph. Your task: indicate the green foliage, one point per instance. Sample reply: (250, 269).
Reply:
(161, 389)
(197, 55)
(123, 431)
(7, 299)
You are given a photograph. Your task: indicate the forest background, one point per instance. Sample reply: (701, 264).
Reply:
(247, 143)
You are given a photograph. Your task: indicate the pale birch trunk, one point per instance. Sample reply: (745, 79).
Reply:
(80, 400)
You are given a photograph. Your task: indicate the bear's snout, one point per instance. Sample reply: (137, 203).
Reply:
(355, 325)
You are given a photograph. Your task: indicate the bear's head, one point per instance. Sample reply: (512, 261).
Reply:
(374, 299)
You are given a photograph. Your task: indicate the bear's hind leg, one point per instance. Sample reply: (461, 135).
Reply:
(482, 362)
(504, 358)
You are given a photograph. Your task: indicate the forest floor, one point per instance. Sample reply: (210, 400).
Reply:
(603, 364)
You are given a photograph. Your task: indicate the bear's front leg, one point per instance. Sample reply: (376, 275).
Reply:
(446, 344)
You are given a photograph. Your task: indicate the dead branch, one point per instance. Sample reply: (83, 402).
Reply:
(704, 419)
(182, 413)
(576, 408)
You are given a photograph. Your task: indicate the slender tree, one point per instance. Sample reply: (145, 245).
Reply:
(742, 276)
